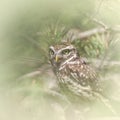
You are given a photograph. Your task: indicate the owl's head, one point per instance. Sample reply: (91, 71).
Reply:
(60, 53)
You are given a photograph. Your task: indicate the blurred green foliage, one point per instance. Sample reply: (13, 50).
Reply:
(92, 48)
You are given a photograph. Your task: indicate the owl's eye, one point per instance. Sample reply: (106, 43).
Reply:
(51, 52)
(65, 52)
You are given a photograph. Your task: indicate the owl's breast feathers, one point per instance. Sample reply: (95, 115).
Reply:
(78, 72)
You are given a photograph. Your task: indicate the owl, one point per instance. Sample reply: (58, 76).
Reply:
(74, 75)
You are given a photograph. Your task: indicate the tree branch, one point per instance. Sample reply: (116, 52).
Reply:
(74, 34)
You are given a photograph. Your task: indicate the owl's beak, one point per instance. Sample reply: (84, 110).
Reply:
(56, 58)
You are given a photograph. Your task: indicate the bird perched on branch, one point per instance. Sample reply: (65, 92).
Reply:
(74, 75)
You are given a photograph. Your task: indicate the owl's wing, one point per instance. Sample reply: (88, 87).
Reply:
(83, 74)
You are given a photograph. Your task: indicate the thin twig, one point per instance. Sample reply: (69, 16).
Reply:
(100, 23)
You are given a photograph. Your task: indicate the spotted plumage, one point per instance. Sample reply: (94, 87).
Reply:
(73, 73)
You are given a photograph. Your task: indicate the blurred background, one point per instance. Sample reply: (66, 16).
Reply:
(28, 28)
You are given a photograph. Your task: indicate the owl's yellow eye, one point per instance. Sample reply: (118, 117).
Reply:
(51, 52)
(65, 52)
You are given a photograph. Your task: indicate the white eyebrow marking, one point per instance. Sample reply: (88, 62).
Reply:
(52, 48)
(68, 47)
